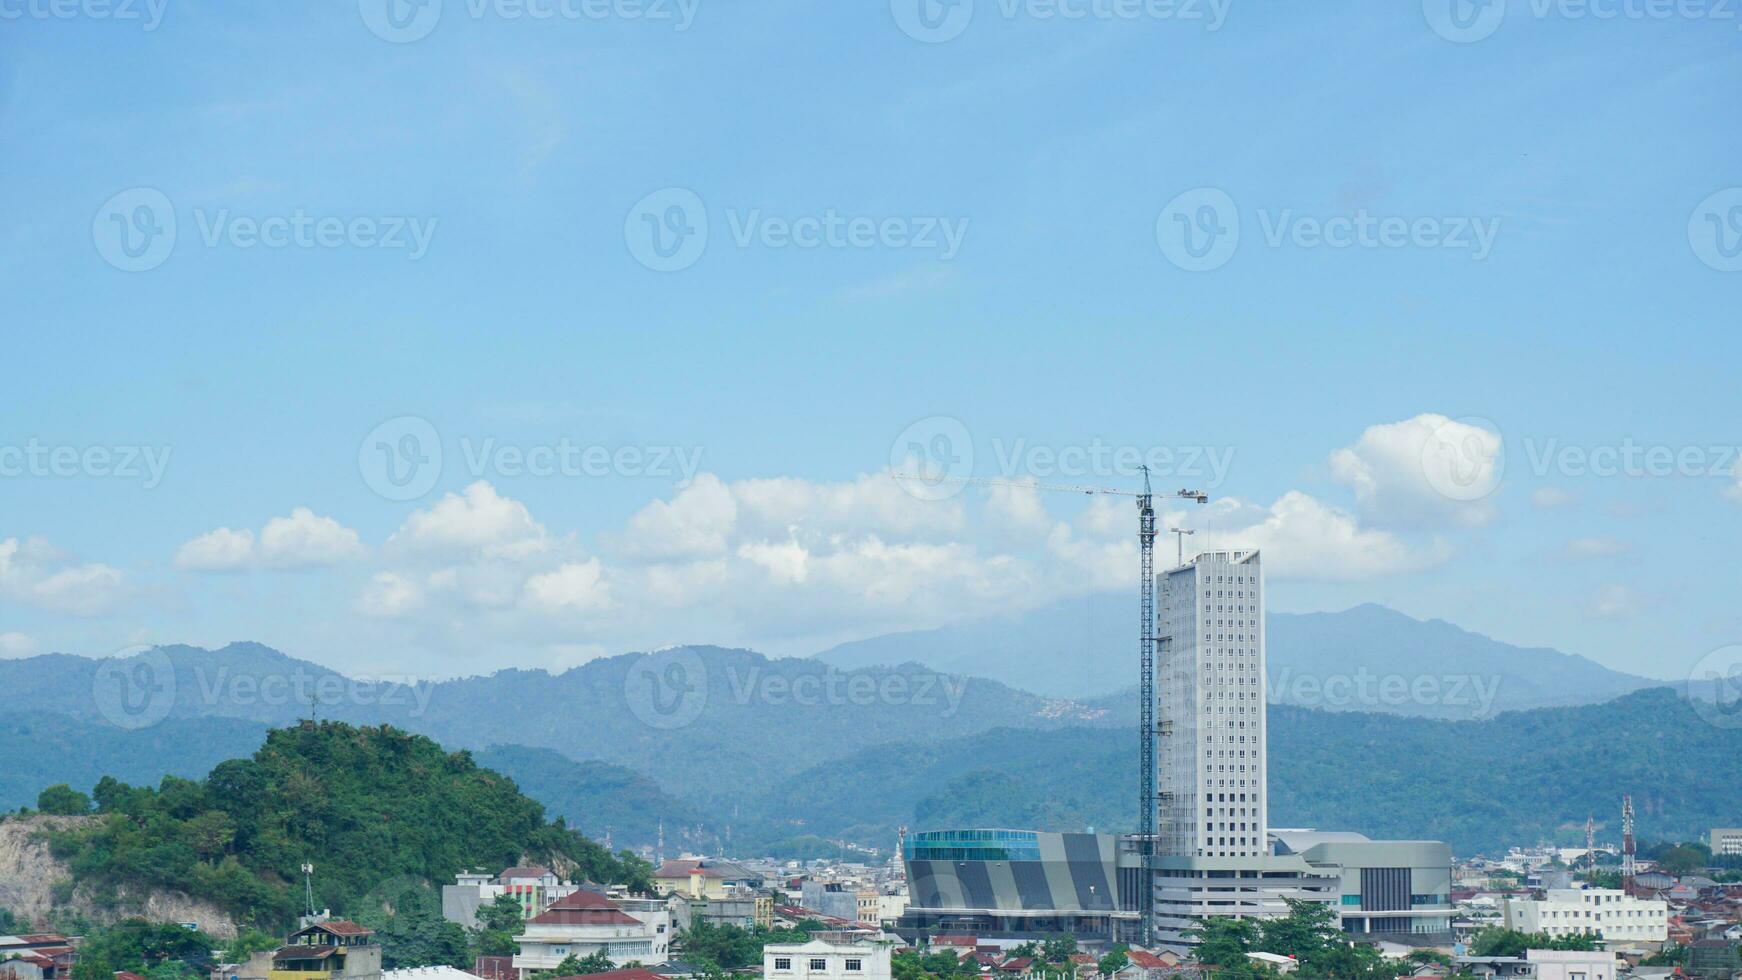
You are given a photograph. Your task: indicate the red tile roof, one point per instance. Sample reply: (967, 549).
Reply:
(1018, 964)
(583, 908)
(530, 872)
(955, 941)
(1147, 961)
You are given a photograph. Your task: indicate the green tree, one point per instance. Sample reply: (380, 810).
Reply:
(139, 946)
(498, 924)
(62, 800)
(1058, 949)
(1113, 962)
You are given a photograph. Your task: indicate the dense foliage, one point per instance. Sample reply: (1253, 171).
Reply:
(369, 807)
(724, 946)
(1495, 941)
(158, 950)
(1481, 786)
(1309, 934)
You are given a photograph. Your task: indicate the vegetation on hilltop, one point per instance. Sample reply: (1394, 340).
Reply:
(370, 808)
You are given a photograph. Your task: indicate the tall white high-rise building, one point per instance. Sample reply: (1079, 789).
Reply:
(1210, 704)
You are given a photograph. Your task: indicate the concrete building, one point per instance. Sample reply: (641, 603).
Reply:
(333, 949)
(705, 878)
(1554, 964)
(534, 888)
(1726, 840)
(1019, 884)
(830, 956)
(584, 923)
(1388, 888)
(1210, 694)
(1617, 916)
(1216, 855)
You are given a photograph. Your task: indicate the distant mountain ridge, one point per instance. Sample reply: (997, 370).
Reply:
(1338, 661)
(754, 708)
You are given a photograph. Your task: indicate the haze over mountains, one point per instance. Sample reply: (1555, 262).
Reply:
(1088, 649)
(708, 738)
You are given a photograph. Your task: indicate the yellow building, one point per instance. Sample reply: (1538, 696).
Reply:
(335, 949)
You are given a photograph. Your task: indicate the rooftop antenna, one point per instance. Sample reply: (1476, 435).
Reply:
(1627, 867)
(659, 851)
(1180, 536)
(1591, 840)
(308, 885)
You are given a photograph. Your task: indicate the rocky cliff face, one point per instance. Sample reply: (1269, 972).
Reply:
(33, 884)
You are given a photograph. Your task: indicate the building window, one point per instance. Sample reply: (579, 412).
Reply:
(782, 963)
(819, 964)
(854, 966)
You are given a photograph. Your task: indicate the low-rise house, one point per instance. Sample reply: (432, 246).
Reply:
(583, 923)
(844, 955)
(331, 949)
(705, 878)
(1557, 964)
(535, 888)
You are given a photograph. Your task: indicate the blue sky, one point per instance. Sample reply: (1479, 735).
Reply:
(486, 192)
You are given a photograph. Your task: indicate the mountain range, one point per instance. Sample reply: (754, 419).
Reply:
(710, 742)
(1088, 649)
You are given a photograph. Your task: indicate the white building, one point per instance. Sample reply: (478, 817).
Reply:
(1609, 912)
(1554, 964)
(1210, 694)
(1726, 840)
(830, 956)
(534, 888)
(584, 923)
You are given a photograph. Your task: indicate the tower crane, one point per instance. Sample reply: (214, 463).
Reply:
(1147, 648)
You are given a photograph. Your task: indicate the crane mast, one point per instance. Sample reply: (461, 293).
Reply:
(1146, 712)
(1147, 652)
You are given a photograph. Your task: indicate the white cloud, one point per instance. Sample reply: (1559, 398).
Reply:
(303, 539)
(1304, 538)
(477, 523)
(390, 595)
(1586, 549)
(1616, 601)
(1424, 472)
(1548, 498)
(870, 504)
(16, 645)
(786, 563)
(222, 550)
(696, 524)
(1017, 510)
(307, 540)
(35, 573)
(572, 586)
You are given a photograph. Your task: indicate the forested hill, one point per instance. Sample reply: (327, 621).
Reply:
(369, 807)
